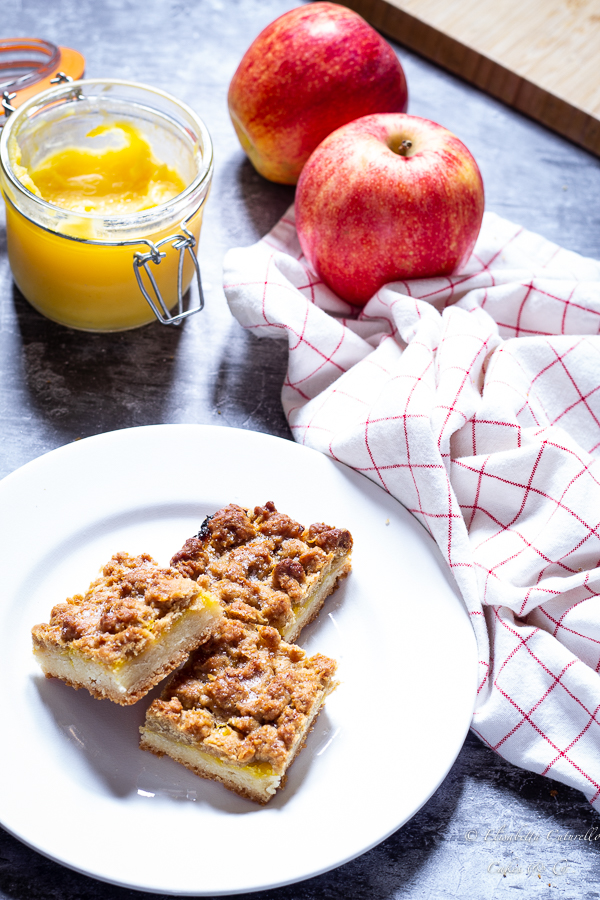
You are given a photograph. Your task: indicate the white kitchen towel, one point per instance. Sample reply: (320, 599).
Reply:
(473, 399)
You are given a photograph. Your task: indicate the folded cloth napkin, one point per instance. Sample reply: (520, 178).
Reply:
(473, 399)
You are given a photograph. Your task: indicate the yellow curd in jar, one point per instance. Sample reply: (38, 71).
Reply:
(92, 286)
(117, 179)
(96, 174)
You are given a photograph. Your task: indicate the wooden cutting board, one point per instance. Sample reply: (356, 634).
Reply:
(541, 57)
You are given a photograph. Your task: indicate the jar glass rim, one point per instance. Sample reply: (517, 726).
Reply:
(70, 89)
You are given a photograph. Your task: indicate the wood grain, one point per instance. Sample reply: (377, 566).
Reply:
(541, 57)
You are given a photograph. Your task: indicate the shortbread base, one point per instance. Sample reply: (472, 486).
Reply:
(304, 614)
(257, 782)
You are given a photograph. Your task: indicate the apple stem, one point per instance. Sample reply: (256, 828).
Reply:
(401, 147)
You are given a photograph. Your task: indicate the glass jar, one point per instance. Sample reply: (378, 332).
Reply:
(93, 271)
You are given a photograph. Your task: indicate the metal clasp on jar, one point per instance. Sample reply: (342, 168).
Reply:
(181, 242)
(7, 97)
(6, 103)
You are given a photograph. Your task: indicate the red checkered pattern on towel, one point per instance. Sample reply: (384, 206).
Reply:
(475, 401)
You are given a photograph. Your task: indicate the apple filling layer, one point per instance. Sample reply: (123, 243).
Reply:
(135, 624)
(264, 567)
(240, 709)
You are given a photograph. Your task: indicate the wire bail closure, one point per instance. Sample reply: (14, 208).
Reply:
(181, 242)
(7, 106)
(7, 97)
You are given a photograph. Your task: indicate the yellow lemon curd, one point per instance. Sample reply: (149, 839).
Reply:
(67, 277)
(107, 181)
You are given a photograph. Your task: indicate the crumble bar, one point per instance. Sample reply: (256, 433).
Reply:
(266, 568)
(136, 623)
(240, 709)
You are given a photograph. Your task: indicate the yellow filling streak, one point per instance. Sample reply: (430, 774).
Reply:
(260, 769)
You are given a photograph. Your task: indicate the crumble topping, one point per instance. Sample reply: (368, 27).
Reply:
(124, 609)
(245, 694)
(260, 563)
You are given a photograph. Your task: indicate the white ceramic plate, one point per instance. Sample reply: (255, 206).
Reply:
(75, 785)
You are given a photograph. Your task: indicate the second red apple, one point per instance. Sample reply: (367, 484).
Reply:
(307, 73)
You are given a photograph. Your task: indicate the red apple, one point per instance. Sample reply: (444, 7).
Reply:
(385, 198)
(310, 71)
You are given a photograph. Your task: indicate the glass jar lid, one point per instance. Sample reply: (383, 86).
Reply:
(29, 65)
